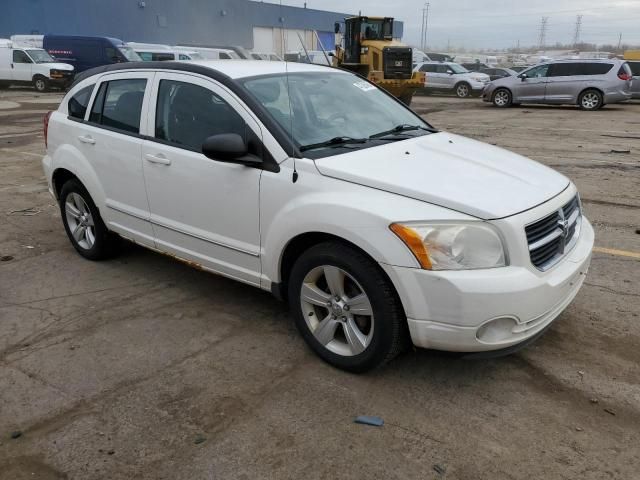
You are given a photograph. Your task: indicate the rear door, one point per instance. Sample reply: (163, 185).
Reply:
(21, 66)
(202, 210)
(110, 138)
(532, 87)
(635, 85)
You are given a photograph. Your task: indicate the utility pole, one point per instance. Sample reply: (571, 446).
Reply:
(576, 34)
(425, 26)
(542, 38)
(619, 41)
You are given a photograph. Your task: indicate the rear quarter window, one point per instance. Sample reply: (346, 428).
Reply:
(578, 68)
(78, 104)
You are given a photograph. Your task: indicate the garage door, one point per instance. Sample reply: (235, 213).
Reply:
(263, 39)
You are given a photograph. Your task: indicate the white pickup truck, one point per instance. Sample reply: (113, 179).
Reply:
(32, 66)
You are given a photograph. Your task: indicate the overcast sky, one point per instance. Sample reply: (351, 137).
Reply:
(500, 23)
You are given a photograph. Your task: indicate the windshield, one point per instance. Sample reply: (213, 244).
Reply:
(327, 105)
(130, 54)
(40, 56)
(455, 68)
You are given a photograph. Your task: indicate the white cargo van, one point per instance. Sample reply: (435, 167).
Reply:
(153, 52)
(32, 66)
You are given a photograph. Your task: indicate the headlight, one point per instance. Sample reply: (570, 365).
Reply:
(447, 246)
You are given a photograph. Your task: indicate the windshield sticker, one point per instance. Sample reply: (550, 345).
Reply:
(364, 86)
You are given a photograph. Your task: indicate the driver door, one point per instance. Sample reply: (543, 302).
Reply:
(21, 66)
(532, 88)
(202, 210)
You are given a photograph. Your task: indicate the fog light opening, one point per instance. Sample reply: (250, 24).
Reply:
(496, 330)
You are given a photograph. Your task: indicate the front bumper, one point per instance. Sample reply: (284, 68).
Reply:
(478, 86)
(450, 310)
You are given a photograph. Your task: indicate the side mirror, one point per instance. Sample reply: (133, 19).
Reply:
(336, 27)
(229, 147)
(450, 72)
(522, 76)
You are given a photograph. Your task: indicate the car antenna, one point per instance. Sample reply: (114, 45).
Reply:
(294, 177)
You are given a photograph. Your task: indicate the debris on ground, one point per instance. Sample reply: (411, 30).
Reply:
(16, 434)
(614, 150)
(578, 429)
(609, 411)
(199, 439)
(6, 258)
(369, 420)
(440, 469)
(593, 400)
(25, 212)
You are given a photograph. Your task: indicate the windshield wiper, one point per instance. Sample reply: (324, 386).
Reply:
(399, 129)
(333, 142)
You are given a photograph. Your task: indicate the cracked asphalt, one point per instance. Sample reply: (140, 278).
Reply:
(144, 368)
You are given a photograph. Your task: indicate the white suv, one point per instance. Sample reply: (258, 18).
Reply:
(312, 183)
(451, 77)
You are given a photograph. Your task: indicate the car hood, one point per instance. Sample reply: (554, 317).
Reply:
(451, 171)
(58, 66)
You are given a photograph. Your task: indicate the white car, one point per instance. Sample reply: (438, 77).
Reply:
(314, 184)
(32, 66)
(451, 77)
(151, 52)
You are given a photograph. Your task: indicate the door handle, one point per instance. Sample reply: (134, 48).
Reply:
(161, 159)
(87, 139)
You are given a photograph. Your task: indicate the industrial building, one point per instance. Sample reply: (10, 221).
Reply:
(260, 26)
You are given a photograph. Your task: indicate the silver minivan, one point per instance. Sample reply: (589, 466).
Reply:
(590, 84)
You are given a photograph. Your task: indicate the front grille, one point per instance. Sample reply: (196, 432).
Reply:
(551, 237)
(397, 62)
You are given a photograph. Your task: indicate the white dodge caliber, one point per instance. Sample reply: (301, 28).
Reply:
(316, 185)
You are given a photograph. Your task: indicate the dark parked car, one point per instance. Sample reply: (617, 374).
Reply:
(496, 73)
(475, 66)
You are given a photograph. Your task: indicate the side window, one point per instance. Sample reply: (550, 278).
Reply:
(79, 102)
(225, 56)
(635, 68)
(118, 104)
(187, 114)
(145, 56)
(442, 68)
(161, 57)
(20, 57)
(182, 56)
(596, 68)
(537, 72)
(564, 69)
(428, 67)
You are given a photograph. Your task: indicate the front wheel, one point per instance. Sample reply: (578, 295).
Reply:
(345, 308)
(463, 90)
(41, 84)
(502, 98)
(590, 100)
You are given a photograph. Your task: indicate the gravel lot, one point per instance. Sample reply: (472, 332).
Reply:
(142, 367)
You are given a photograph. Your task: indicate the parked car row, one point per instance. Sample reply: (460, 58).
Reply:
(590, 84)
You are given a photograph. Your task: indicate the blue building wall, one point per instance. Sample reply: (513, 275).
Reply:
(212, 22)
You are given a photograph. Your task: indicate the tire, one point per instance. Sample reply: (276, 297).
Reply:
(41, 84)
(502, 98)
(80, 215)
(406, 98)
(462, 90)
(590, 100)
(344, 339)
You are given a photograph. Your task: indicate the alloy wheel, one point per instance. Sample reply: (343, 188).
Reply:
(501, 99)
(337, 310)
(590, 100)
(80, 221)
(462, 90)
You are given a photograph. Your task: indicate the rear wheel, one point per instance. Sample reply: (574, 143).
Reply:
(84, 226)
(41, 84)
(502, 98)
(345, 308)
(463, 90)
(590, 100)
